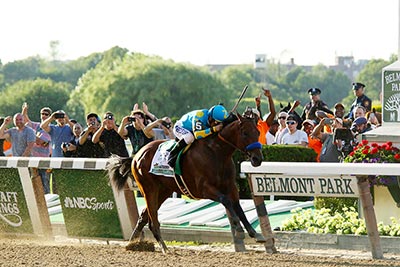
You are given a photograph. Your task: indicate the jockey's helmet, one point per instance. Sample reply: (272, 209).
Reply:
(218, 113)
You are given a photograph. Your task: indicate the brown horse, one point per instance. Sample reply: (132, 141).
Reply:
(207, 171)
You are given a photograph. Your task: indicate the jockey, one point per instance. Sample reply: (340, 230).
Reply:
(196, 124)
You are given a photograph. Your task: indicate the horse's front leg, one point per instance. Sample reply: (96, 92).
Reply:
(252, 232)
(236, 229)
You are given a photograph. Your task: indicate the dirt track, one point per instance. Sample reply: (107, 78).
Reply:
(38, 253)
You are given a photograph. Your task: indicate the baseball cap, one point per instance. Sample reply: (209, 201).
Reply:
(338, 105)
(308, 121)
(92, 115)
(360, 121)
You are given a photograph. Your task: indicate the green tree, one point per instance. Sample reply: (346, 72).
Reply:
(168, 88)
(37, 93)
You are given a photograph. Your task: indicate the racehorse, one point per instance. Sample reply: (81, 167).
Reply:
(208, 172)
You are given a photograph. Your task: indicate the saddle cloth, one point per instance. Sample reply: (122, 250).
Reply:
(159, 164)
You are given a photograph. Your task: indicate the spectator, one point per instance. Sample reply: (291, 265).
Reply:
(108, 136)
(373, 118)
(264, 125)
(71, 149)
(360, 125)
(361, 100)
(314, 143)
(134, 128)
(330, 151)
(163, 130)
(359, 111)
(294, 136)
(42, 147)
(2, 140)
(338, 110)
(282, 129)
(21, 136)
(270, 136)
(86, 147)
(59, 133)
(314, 105)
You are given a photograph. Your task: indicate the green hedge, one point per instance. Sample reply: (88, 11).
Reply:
(277, 153)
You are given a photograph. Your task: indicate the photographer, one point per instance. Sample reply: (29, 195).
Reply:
(331, 149)
(135, 128)
(86, 147)
(70, 148)
(162, 129)
(108, 135)
(59, 133)
(360, 125)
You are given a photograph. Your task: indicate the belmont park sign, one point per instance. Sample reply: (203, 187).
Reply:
(286, 185)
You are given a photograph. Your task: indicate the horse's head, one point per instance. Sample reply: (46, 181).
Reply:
(243, 135)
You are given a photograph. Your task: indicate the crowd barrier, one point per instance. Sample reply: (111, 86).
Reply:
(91, 206)
(322, 179)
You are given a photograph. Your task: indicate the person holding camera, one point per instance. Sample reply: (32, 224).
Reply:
(70, 149)
(59, 133)
(135, 128)
(108, 135)
(163, 129)
(331, 145)
(86, 147)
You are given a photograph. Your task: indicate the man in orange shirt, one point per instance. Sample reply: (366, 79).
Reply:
(314, 143)
(263, 125)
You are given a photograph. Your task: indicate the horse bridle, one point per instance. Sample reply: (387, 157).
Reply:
(255, 145)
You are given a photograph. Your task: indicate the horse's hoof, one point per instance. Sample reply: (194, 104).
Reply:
(259, 238)
(239, 247)
(271, 250)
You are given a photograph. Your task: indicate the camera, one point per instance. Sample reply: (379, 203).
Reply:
(59, 115)
(166, 124)
(109, 117)
(329, 121)
(131, 119)
(348, 141)
(65, 145)
(92, 123)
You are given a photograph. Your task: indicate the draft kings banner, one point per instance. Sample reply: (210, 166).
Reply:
(88, 204)
(14, 214)
(281, 185)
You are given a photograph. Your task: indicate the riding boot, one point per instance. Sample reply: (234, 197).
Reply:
(173, 154)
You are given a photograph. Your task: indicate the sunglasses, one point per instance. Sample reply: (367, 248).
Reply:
(282, 118)
(43, 113)
(290, 122)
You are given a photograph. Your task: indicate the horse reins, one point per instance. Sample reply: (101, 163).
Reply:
(248, 147)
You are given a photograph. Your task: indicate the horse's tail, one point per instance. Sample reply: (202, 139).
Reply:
(119, 170)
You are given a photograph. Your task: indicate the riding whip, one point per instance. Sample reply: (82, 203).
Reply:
(240, 98)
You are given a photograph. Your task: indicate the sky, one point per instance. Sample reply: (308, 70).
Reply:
(203, 32)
